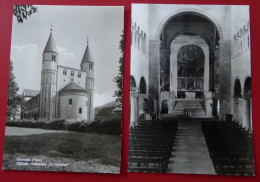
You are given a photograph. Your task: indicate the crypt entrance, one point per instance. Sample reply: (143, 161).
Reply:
(189, 64)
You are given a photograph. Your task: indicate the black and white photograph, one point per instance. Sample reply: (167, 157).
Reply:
(190, 90)
(64, 107)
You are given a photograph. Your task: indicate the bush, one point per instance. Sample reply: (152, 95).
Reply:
(107, 127)
(79, 126)
(26, 124)
(56, 125)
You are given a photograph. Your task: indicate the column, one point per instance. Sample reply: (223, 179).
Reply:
(133, 110)
(206, 67)
(154, 69)
(225, 77)
(174, 68)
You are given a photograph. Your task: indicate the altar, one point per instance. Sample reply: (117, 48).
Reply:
(189, 95)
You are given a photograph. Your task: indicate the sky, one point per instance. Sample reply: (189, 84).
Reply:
(71, 25)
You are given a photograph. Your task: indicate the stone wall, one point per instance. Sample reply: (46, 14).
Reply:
(71, 111)
(139, 54)
(241, 64)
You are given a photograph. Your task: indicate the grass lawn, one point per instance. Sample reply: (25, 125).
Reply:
(81, 152)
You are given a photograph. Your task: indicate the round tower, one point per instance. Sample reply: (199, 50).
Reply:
(87, 65)
(49, 81)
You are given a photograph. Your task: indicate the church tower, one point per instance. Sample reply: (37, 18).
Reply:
(87, 65)
(49, 81)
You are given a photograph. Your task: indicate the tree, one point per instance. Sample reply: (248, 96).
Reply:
(22, 12)
(14, 99)
(119, 78)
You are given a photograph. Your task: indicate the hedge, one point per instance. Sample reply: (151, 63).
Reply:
(105, 127)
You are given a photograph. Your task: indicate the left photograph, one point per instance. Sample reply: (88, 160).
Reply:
(64, 107)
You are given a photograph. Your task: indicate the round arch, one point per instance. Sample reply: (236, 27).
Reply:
(142, 86)
(248, 103)
(180, 12)
(247, 86)
(164, 106)
(132, 82)
(200, 44)
(237, 88)
(203, 36)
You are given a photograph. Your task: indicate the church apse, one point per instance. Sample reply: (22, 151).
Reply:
(189, 44)
(190, 60)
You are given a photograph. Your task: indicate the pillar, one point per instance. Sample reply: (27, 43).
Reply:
(154, 69)
(133, 111)
(225, 77)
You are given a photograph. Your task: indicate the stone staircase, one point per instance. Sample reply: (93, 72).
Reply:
(194, 105)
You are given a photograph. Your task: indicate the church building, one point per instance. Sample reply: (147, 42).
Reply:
(66, 93)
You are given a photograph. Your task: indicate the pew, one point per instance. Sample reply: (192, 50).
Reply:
(150, 145)
(230, 147)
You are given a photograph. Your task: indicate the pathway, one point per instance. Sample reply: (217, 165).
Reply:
(190, 153)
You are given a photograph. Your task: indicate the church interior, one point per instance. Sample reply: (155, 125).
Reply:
(190, 90)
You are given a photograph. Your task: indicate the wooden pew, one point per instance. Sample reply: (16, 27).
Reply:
(150, 146)
(230, 147)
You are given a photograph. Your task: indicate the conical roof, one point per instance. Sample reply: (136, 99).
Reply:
(50, 46)
(72, 86)
(87, 57)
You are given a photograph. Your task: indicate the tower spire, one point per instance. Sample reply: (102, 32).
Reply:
(50, 46)
(87, 57)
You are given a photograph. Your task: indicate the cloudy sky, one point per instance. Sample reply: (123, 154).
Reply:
(71, 27)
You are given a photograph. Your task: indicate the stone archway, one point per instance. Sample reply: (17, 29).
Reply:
(142, 99)
(164, 106)
(194, 11)
(237, 89)
(142, 86)
(237, 101)
(247, 87)
(248, 103)
(219, 54)
(132, 82)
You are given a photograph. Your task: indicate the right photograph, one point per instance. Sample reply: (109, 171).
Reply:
(190, 90)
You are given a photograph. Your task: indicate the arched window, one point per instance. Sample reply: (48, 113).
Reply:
(53, 57)
(90, 66)
(80, 110)
(64, 72)
(138, 42)
(241, 45)
(79, 75)
(144, 43)
(72, 73)
(70, 102)
(135, 41)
